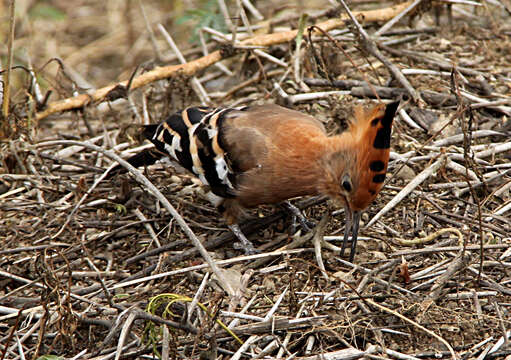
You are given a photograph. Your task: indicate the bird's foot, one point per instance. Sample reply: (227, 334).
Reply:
(243, 243)
(297, 216)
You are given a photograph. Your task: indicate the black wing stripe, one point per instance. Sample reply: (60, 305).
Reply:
(193, 137)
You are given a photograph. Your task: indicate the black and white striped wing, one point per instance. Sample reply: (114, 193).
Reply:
(193, 138)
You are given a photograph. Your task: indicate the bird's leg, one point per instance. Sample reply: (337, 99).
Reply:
(296, 214)
(232, 212)
(244, 243)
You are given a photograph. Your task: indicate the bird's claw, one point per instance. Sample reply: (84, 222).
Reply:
(297, 216)
(248, 248)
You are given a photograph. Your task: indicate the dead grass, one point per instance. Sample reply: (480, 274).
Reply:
(81, 285)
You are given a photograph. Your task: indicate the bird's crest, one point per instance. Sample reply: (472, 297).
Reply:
(371, 131)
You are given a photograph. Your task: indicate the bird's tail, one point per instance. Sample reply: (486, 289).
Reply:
(144, 158)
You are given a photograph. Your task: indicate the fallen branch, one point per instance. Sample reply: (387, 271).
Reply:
(194, 66)
(363, 89)
(430, 97)
(431, 250)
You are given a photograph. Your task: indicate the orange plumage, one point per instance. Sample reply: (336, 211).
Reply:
(267, 154)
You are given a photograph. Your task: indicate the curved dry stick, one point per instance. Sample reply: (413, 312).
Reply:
(192, 67)
(431, 237)
(317, 240)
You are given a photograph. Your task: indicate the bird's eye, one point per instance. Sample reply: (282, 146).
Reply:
(346, 184)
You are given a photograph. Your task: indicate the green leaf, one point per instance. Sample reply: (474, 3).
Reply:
(208, 15)
(301, 28)
(46, 11)
(120, 209)
(50, 357)
(121, 296)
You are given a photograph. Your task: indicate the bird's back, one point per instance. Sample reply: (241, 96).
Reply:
(229, 147)
(278, 149)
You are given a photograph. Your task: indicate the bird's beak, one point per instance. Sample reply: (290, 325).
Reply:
(352, 224)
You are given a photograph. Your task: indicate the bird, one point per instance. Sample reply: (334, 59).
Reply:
(267, 154)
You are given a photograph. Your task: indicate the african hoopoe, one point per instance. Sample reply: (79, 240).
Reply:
(256, 155)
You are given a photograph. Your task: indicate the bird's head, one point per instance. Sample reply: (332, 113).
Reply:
(357, 165)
